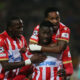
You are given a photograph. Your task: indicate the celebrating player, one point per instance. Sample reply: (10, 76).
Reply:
(11, 56)
(47, 70)
(60, 37)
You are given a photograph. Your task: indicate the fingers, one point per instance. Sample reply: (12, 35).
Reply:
(41, 58)
(37, 58)
(61, 73)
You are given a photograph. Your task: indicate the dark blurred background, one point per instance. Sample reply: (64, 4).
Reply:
(32, 13)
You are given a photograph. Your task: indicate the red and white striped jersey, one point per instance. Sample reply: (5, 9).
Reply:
(47, 70)
(9, 50)
(63, 33)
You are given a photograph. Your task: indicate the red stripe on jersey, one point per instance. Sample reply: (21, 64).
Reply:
(48, 73)
(22, 40)
(60, 78)
(7, 44)
(55, 73)
(18, 43)
(10, 44)
(35, 74)
(40, 77)
(10, 75)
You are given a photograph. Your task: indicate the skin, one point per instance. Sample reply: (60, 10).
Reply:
(17, 28)
(45, 35)
(54, 18)
(61, 45)
(15, 31)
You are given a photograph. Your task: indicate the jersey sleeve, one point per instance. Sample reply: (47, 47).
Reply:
(27, 54)
(64, 34)
(3, 50)
(67, 62)
(34, 38)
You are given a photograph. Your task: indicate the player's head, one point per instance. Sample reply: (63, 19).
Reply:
(15, 26)
(52, 15)
(45, 32)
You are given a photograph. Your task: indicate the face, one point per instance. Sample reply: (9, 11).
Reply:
(17, 28)
(45, 35)
(54, 18)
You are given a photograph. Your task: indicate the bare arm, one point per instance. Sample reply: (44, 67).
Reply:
(36, 58)
(58, 48)
(53, 48)
(12, 65)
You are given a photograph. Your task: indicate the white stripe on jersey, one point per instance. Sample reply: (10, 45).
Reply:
(10, 47)
(6, 75)
(38, 74)
(20, 43)
(57, 78)
(62, 24)
(49, 69)
(0, 68)
(9, 44)
(33, 75)
(44, 73)
(11, 52)
(17, 71)
(16, 46)
(52, 73)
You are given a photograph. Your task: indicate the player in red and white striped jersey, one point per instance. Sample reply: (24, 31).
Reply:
(47, 70)
(60, 37)
(11, 44)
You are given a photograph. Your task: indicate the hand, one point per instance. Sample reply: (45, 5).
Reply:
(37, 58)
(62, 73)
(35, 47)
(23, 50)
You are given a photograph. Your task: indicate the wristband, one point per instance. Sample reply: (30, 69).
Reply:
(27, 62)
(35, 47)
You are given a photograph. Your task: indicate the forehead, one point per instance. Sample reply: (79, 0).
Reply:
(45, 29)
(53, 14)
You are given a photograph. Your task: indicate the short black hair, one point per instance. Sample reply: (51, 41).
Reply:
(46, 24)
(9, 21)
(50, 9)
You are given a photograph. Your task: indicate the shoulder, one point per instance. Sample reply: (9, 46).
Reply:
(1, 40)
(22, 37)
(3, 35)
(64, 27)
(36, 28)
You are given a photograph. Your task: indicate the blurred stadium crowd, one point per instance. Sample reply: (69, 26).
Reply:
(32, 12)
